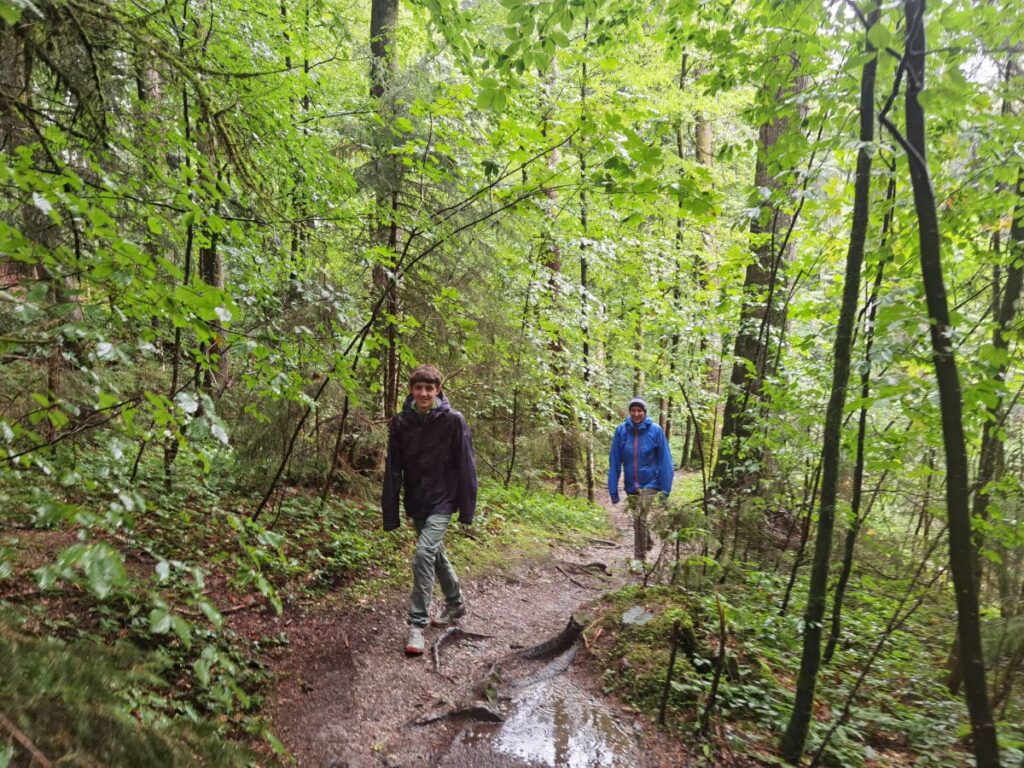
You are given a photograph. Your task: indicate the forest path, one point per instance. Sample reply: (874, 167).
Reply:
(346, 695)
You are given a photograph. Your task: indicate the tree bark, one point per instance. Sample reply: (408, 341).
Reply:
(855, 519)
(383, 68)
(796, 731)
(761, 315)
(961, 545)
(585, 289)
(566, 447)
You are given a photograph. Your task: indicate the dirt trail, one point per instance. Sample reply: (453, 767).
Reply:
(346, 695)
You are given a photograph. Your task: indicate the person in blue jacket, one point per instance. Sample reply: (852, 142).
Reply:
(641, 453)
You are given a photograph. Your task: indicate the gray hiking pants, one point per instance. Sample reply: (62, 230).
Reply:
(430, 561)
(640, 504)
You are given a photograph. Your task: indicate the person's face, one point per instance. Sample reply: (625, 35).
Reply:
(637, 414)
(423, 394)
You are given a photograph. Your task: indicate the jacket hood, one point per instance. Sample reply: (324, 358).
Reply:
(441, 403)
(642, 426)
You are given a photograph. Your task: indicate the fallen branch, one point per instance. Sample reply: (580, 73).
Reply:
(25, 742)
(579, 584)
(602, 542)
(453, 633)
(226, 611)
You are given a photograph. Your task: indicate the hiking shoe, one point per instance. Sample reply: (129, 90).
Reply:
(450, 615)
(415, 644)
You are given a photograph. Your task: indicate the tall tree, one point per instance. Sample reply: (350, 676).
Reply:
(762, 315)
(856, 520)
(383, 68)
(796, 731)
(961, 543)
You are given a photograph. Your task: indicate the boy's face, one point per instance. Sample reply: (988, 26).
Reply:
(423, 394)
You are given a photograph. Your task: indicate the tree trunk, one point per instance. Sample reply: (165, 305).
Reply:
(961, 546)
(585, 290)
(855, 519)
(796, 731)
(991, 459)
(761, 315)
(383, 68)
(171, 444)
(566, 448)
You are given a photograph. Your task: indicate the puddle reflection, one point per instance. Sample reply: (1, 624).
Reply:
(558, 725)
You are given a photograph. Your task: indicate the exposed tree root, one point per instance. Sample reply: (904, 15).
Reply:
(476, 710)
(579, 584)
(557, 644)
(553, 668)
(592, 569)
(493, 687)
(452, 634)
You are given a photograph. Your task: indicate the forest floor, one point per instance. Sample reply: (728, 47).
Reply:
(346, 696)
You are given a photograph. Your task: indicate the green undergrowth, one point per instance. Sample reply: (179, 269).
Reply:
(80, 701)
(144, 581)
(901, 716)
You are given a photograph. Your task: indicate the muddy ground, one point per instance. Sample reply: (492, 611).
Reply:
(346, 696)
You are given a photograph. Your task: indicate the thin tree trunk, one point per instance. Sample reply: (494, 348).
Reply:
(171, 443)
(796, 731)
(805, 533)
(991, 460)
(585, 288)
(871, 310)
(961, 546)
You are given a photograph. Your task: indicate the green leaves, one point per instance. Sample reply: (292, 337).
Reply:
(100, 564)
(879, 36)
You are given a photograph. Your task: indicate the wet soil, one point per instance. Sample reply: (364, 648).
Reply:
(346, 696)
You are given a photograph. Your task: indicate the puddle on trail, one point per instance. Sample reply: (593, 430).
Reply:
(553, 724)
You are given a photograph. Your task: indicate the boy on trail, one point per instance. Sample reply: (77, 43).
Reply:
(640, 446)
(430, 456)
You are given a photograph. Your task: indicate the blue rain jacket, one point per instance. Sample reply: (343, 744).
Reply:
(641, 453)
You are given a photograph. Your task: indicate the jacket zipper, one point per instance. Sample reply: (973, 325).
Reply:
(636, 458)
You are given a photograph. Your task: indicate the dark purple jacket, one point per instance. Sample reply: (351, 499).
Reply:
(431, 458)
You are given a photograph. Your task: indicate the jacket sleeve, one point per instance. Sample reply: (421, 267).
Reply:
(467, 474)
(392, 481)
(614, 467)
(666, 469)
